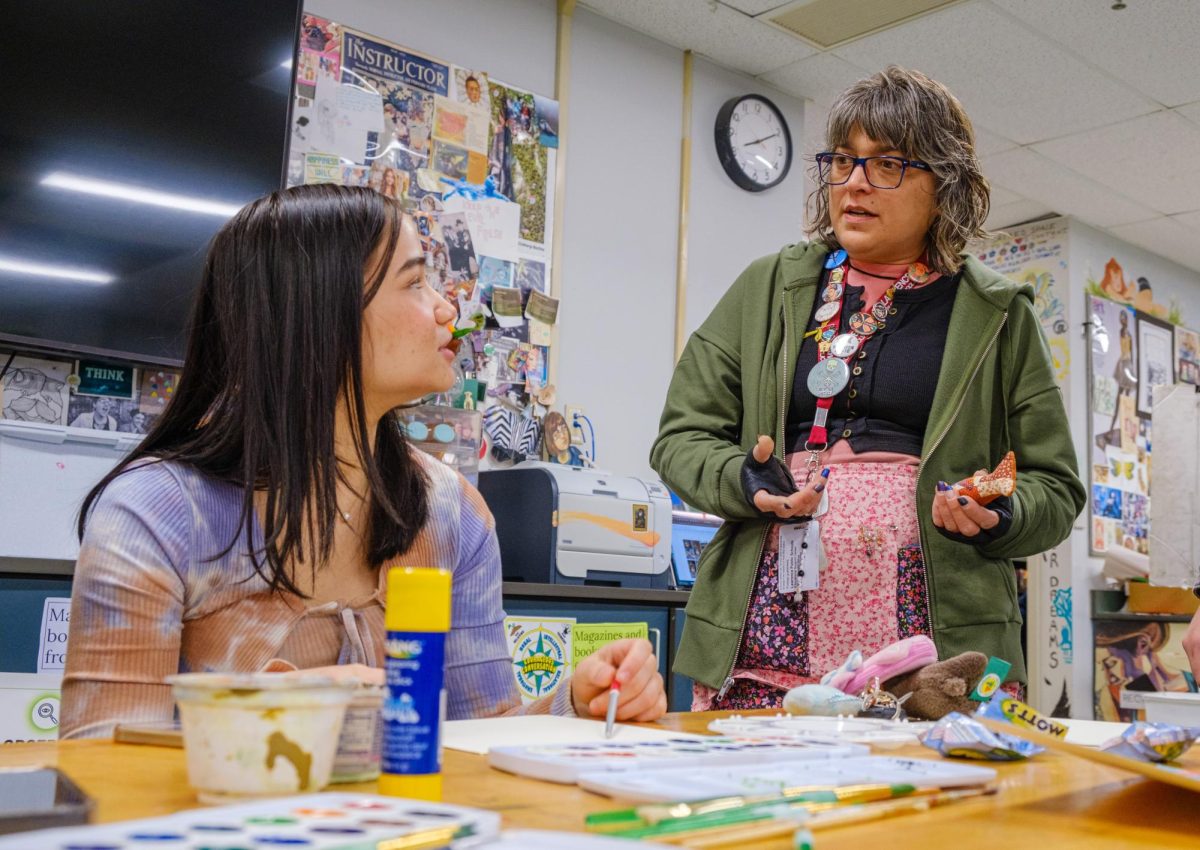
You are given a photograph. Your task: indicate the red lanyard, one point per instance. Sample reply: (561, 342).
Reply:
(831, 374)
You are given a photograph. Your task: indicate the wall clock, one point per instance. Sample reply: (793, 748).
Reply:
(753, 142)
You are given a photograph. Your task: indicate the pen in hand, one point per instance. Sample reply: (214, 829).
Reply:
(610, 717)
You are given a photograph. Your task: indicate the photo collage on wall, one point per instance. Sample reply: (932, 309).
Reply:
(473, 161)
(1136, 345)
(89, 394)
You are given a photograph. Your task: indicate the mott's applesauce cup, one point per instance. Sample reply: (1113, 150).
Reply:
(417, 620)
(252, 735)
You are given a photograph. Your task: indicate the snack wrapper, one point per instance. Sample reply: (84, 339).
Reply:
(1011, 710)
(1157, 742)
(959, 736)
(985, 487)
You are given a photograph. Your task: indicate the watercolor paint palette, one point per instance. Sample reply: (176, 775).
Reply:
(855, 730)
(675, 784)
(309, 822)
(566, 762)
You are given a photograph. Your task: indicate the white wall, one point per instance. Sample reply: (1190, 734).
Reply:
(622, 145)
(619, 235)
(730, 227)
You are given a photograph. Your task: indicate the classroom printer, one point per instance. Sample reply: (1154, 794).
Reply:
(569, 525)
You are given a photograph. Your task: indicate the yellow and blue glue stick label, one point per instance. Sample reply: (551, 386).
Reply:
(414, 703)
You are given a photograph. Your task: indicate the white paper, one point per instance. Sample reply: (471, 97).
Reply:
(479, 736)
(494, 225)
(799, 557)
(1091, 733)
(52, 639)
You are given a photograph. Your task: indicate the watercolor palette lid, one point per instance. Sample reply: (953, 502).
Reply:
(856, 730)
(311, 822)
(566, 762)
(675, 784)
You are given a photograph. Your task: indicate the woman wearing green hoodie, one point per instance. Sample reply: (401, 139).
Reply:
(847, 380)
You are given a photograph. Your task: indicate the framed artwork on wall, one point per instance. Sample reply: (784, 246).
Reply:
(1156, 359)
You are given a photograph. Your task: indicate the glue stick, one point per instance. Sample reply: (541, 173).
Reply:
(417, 620)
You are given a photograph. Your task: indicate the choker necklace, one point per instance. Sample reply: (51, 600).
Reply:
(869, 274)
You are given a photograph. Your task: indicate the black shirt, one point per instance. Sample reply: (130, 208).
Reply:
(886, 406)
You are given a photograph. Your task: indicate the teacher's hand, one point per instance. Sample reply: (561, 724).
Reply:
(631, 662)
(802, 502)
(961, 514)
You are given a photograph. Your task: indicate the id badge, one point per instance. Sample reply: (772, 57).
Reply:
(799, 557)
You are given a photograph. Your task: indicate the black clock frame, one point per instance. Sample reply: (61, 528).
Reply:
(725, 151)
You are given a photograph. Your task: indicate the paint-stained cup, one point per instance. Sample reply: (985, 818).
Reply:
(252, 735)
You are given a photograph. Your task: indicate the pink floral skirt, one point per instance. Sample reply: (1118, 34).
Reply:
(872, 591)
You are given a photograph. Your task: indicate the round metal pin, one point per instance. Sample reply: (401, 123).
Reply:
(844, 345)
(828, 378)
(835, 259)
(827, 311)
(864, 323)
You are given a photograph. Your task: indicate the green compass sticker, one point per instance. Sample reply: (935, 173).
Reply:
(540, 662)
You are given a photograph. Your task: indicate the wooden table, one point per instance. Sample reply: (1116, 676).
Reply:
(1053, 802)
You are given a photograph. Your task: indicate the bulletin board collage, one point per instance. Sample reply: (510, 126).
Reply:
(1136, 346)
(473, 161)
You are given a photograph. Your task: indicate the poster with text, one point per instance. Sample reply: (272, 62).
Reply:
(1037, 254)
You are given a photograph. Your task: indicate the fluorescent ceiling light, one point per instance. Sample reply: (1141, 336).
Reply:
(12, 264)
(91, 186)
(286, 63)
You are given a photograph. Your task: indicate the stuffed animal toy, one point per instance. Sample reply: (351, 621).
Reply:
(940, 688)
(820, 701)
(901, 657)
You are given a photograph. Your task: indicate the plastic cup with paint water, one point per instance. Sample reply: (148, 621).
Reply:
(252, 735)
(361, 741)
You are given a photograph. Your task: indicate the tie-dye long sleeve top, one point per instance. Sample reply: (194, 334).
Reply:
(154, 596)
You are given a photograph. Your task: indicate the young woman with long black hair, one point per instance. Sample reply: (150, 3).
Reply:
(253, 528)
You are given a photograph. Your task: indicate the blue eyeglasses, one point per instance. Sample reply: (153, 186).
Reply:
(883, 172)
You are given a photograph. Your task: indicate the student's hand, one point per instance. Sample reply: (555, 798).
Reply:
(1191, 644)
(802, 502)
(630, 661)
(961, 514)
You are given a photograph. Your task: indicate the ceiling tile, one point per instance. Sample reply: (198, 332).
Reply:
(820, 78)
(1191, 111)
(1164, 236)
(755, 7)
(1015, 213)
(1151, 159)
(1002, 196)
(987, 142)
(1049, 183)
(1129, 43)
(1191, 220)
(1011, 80)
(725, 35)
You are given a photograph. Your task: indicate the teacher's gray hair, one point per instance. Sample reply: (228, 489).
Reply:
(920, 118)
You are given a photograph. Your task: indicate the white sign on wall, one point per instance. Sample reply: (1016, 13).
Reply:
(52, 639)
